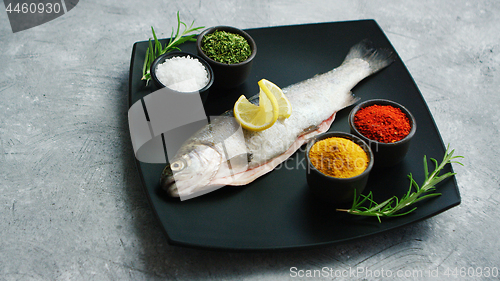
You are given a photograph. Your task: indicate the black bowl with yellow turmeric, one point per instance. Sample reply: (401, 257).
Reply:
(338, 166)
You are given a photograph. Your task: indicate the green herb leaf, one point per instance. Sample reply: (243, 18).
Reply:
(393, 206)
(155, 50)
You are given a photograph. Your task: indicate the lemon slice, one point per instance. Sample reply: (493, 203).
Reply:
(285, 108)
(273, 104)
(257, 117)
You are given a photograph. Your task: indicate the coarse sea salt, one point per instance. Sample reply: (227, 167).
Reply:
(182, 74)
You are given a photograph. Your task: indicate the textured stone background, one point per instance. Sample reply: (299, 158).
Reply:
(71, 202)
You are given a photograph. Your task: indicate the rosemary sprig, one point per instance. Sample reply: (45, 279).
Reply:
(156, 49)
(394, 206)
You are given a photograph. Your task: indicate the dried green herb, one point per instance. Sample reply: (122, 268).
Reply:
(226, 47)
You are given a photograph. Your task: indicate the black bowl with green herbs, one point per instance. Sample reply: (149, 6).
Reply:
(229, 51)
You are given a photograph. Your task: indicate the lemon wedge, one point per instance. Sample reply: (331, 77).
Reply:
(285, 108)
(273, 104)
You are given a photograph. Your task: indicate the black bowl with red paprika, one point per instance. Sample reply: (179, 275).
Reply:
(386, 126)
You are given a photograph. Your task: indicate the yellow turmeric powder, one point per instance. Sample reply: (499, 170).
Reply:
(338, 157)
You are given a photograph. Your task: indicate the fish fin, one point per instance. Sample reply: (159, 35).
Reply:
(254, 99)
(377, 58)
(314, 130)
(350, 100)
(309, 129)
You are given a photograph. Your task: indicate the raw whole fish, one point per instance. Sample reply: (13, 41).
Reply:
(217, 155)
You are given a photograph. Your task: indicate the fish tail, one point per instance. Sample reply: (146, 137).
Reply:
(377, 58)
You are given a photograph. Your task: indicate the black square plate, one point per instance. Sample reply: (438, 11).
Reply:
(277, 211)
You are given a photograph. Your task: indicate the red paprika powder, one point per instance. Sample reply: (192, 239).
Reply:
(383, 123)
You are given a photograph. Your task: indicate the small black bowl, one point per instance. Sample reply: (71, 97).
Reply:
(334, 190)
(228, 75)
(386, 154)
(161, 59)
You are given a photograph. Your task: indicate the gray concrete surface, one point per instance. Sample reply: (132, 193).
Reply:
(71, 202)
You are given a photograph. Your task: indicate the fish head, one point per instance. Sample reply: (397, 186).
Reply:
(192, 171)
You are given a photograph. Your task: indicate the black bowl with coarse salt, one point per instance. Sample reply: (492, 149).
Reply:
(161, 59)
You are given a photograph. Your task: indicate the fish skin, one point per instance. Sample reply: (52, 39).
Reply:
(201, 162)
